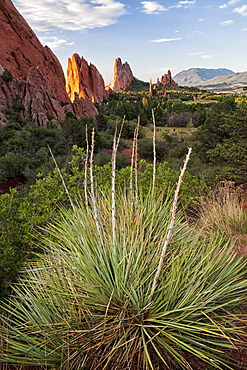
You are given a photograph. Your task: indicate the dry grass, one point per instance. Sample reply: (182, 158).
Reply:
(223, 212)
(180, 132)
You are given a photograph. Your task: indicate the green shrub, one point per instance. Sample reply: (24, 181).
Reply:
(7, 75)
(13, 250)
(85, 302)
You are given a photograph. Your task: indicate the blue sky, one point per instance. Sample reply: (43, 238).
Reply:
(152, 36)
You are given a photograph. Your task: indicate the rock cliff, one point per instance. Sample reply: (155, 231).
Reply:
(167, 79)
(85, 80)
(38, 83)
(122, 76)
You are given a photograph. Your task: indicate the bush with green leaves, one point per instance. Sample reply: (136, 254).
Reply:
(86, 302)
(24, 212)
(13, 250)
(7, 75)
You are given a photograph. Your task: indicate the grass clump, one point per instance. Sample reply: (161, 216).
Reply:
(223, 212)
(85, 304)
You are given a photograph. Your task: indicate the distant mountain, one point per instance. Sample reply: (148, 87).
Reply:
(239, 78)
(233, 83)
(196, 76)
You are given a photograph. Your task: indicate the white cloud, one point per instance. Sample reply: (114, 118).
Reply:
(241, 10)
(76, 15)
(152, 7)
(187, 2)
(198, 53)
(233, 2)
(229, 3)
(54, 42)
(207, 56)
(202, 54)
(184, 4)
(201, 20)
(166, 40)
(227, 23)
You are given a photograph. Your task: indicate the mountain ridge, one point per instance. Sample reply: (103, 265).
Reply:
(194, 76)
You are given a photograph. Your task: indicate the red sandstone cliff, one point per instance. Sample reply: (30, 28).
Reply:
(122, 76)
(85, 80)
(39, 82)
(167, 79)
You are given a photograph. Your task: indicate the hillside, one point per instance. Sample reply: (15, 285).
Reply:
(194, 76)
(233, 83)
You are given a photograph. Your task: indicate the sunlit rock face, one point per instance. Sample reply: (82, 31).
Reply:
(38, 84)
(85, 80)
(21, 50)
(122, 76)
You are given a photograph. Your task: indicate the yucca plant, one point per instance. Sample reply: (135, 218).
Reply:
(86, 305)
(113, 290)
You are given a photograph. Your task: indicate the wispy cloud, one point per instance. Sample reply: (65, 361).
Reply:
(227, 23)
(229, 3)
(77, 15)
(202, 54)
(198, 53)
(207, 56)
(152, 7)
(241, 10)
(184, 4)
(54, 42)
(167, 40)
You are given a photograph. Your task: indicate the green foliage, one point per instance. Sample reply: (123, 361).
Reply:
(17, 106)
(13, 250)
(145, 150)
(221, 141)
(7, 75)
(84, 303)
(24, 145)
(23, 213)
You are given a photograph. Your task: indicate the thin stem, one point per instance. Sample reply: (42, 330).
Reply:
(114, 158)
(154, 151)
(132, 167)
(171, 225)
(93, 197)
(86, 167)
(62, 179)
(136, 157)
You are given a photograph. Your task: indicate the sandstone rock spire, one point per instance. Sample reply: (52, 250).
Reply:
(85, 80)
(167, 79)
(38, 82)
(122, 76)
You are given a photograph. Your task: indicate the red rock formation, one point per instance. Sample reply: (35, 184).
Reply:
(39, 82)
(167, 79)
(85, 80)
(122, 76)
(21, 50)
(82, 107)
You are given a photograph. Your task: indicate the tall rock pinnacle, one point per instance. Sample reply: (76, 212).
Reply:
(38, 79)
(122, 76)
(167, 79)
(85, 80)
